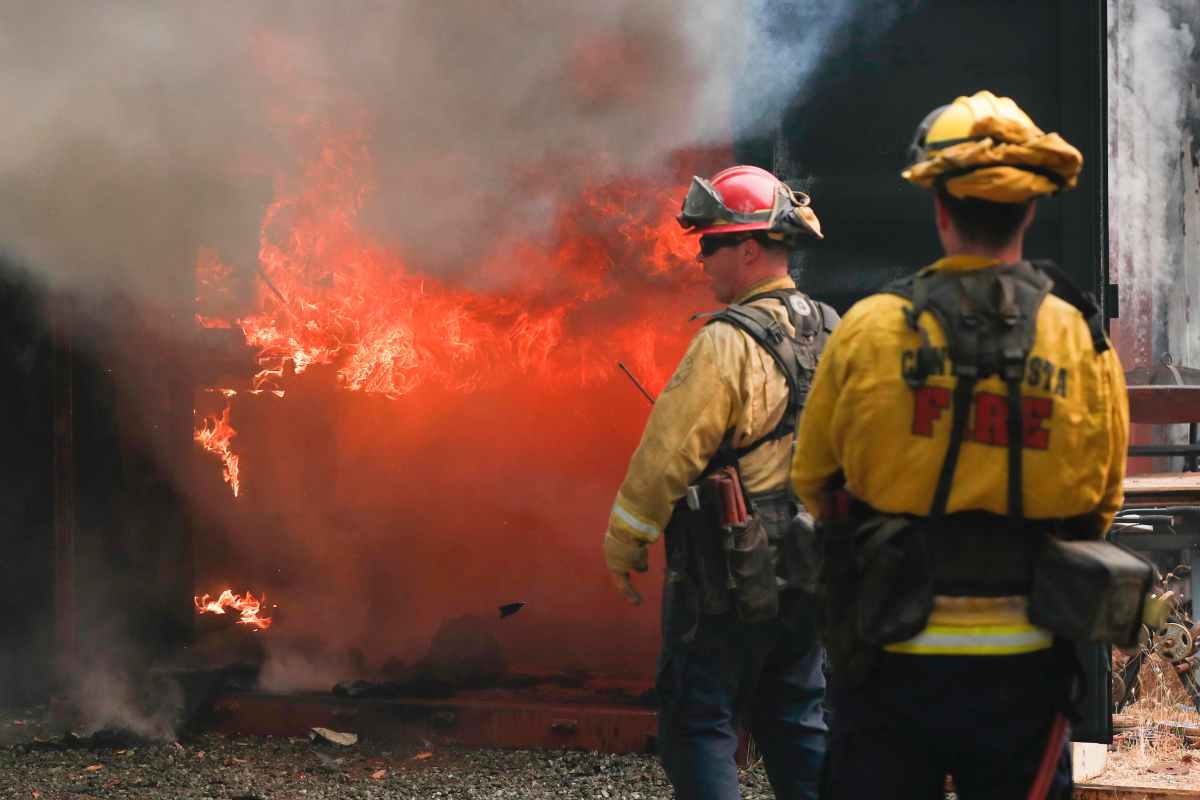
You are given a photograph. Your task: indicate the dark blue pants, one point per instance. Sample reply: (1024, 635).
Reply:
(767, 677)
(983, 719)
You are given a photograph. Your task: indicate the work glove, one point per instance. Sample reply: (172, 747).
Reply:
(623, 556)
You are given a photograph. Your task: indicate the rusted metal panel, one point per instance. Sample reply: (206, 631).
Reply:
(470, 722)
(1164, 404)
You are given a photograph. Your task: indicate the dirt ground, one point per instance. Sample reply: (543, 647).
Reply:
(36, 763)
(1147, 771)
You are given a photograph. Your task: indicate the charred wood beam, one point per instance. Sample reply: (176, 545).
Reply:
(65, 506)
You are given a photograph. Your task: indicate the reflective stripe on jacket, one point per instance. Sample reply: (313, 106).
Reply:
(889, 441)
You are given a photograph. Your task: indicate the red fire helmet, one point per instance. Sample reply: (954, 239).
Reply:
(747, 198)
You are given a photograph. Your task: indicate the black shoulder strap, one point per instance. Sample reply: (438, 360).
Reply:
(829, 316)
(812, 322)
(917, 288)
(808, 316)
(770, 335)
(989, 319)
(1065, 289)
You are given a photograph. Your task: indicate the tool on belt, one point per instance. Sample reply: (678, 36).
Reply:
(729, 547)
(882, 571)
(730, 559)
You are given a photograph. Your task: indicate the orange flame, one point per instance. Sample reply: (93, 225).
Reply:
(214, 435)
(332, 296)
(568, 309)
(248, 606)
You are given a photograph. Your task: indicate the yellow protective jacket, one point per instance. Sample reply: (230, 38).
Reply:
(725, 381)
(863, 420)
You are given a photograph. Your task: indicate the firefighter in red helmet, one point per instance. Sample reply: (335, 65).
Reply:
(710, 477)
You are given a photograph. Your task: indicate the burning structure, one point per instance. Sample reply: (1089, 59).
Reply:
(327, 312)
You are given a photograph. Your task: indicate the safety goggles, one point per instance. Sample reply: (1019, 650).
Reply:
(789, 214)
(711, 243)
(703, 208)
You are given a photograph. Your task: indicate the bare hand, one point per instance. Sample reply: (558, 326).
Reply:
(624, 586)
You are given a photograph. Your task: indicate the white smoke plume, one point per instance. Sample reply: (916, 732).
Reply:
(788, 41)
(115, 689)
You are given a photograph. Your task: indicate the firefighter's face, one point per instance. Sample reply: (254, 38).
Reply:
(724, 259)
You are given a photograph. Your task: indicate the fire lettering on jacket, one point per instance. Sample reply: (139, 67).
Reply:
(1039, 372)
(989, 414)
(1043, 374)
(931, 402)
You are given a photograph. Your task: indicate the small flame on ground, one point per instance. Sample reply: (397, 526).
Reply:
(214, 435)
(247, 605)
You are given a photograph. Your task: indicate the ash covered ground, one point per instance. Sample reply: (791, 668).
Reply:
(37, 763)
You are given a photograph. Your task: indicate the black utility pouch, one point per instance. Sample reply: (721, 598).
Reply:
(837, 592)
(705, 561)
(711, 564)
(756, 593)
(1089, 591)
(895, 580)
(801, 554)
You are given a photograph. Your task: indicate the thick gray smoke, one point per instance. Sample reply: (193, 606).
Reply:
(1154, 177)
(139, 132)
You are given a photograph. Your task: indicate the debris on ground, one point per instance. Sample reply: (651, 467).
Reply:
(283, 768)
(1145, 770)
(269, 768)
(1157, 736)
(508, 609)
(327, 736)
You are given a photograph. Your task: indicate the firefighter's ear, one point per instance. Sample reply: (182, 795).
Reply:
(941, 214)
(1030, 215)
(751, 251)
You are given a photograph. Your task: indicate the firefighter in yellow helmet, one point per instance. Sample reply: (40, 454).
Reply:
(957, 418)
(739, 640)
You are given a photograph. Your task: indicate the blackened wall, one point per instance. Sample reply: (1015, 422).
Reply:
(849, 131)
(26, 503)
(85, 511)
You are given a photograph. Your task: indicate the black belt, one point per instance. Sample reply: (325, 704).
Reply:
(981, 554)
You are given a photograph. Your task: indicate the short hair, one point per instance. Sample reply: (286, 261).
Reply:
(768, 243)
(982, 221)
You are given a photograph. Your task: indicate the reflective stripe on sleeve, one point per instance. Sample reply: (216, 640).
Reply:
(644, 528)
(983, 640)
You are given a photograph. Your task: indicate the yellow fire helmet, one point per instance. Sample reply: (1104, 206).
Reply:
(986, 147)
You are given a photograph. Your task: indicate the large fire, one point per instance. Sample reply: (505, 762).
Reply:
(248, 607)
(383, 469)
(328, 294)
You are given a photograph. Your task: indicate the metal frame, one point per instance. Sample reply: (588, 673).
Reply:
(1083, 98)
(1167, 536)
